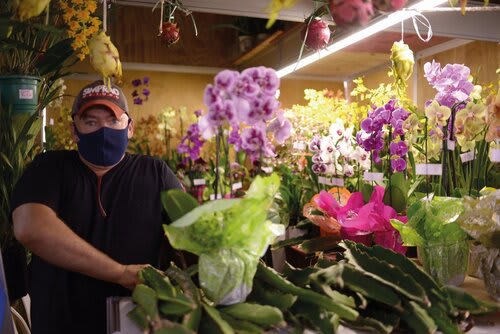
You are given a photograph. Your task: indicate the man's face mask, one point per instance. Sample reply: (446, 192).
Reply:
(104, 147)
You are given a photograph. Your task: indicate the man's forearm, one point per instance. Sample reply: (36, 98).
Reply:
(39, 229)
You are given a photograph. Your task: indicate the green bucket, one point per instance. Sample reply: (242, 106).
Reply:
(21, 92)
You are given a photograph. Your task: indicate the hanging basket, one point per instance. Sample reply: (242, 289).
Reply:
(21, 92)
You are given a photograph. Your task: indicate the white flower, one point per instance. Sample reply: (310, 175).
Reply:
(337, 129)
(348, 170)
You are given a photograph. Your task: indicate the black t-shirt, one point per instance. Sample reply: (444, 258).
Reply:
(121, 215)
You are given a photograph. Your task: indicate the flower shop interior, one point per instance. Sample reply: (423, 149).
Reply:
(339, 160)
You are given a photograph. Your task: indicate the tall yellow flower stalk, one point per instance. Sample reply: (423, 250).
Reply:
(78, 16)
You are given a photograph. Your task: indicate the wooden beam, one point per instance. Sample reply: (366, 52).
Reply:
(258, 48)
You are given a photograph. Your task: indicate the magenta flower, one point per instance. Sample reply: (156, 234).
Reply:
(400, 148)
(359, 219)
(398, 165)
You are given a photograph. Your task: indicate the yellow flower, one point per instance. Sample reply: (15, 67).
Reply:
(274, 7)
(472, 118)
(436, 114)
(81, 56)
(74, 25)
(493, 117)
(77, 2)
(91, 6)
(83, 15)
(69, 13)
(63, 5)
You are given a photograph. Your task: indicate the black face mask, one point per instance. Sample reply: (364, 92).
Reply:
(104, 147)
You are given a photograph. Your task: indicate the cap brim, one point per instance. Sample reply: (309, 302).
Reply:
(114, 108)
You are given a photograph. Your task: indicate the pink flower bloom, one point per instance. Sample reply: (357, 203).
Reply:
(359, 219)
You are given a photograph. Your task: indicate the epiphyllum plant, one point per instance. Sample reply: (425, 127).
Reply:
(242, 110)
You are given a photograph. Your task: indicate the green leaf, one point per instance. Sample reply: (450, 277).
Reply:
(408, 234)
(320, 244)
(216, 318)
(144, 296)
(366, 190)
(139, 316)
(177, 203)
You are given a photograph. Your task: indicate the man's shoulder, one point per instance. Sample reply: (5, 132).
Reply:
(55, 156)
(146, 160)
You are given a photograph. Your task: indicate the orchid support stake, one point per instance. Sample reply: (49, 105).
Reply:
(217, 158)
(426, 158)
(444, 160)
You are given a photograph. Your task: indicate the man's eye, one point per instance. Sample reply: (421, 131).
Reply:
(90, 123)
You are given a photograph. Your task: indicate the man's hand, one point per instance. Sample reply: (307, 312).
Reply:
(130, 275)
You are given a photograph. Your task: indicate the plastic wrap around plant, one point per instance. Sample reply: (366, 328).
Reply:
(229, 236)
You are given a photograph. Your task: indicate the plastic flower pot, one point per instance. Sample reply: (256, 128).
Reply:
(21, 92)
(446, 263)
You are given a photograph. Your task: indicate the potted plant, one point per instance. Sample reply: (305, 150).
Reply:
(33, 56)
(481, 220)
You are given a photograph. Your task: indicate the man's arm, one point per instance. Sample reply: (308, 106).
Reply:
(39, 229)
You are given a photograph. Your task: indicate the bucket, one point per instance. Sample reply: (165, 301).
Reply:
(21, 92)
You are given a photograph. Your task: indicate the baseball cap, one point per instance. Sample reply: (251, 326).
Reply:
(99, 94)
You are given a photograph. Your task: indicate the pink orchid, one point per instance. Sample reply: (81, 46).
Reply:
(360, 221)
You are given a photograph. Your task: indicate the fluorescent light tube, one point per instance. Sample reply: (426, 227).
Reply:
(367, 31)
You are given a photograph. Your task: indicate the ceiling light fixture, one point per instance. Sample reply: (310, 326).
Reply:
(369, 30)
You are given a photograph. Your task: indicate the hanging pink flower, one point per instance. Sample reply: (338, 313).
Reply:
(351, 11)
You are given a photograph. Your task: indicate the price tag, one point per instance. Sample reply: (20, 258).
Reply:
(237, 186)
(495, 155)
(368, 176)
(467, 156)
(212, 197)
(337, 182)
(331, 181)
(267, 170)
(299, 145)
(451, 145)
(323, 180)
(429, 169)
(51, 121)
(199, 182)
(26, 94)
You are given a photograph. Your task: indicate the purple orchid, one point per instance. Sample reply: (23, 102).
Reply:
(136, 82)
(451, 82)
(280, 127)
(191, 143)
(400, 148)
(145, 80)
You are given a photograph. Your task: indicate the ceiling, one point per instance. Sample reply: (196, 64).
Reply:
(217, 44)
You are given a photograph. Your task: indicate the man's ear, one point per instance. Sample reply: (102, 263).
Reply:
(72, 128)
(131, 128)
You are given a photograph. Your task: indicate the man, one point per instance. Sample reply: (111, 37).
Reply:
(92, 218)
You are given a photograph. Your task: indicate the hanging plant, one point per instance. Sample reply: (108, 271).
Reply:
(169, 32)
(316, 34)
